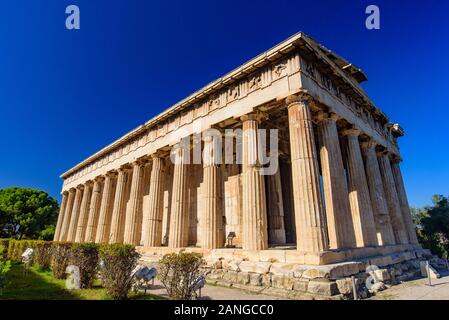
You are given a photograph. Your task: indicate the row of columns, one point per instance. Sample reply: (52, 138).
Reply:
(358, 200)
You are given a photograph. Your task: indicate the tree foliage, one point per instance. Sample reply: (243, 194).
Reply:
(433, 226)
(27, 213)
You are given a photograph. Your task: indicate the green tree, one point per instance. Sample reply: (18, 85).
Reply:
(433, 226)
(27, 213)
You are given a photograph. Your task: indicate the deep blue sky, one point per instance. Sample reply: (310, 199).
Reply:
(66, 94)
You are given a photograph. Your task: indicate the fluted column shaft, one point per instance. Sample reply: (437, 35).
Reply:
(359, 197)
(399, 230)
(339, 219)
(104, 219)
(67, 216)
(309, 215)
(212, 236)
(155, 204)
(84, 213)
(179, 216)
(118, 211)
(133, 220)
(75, 214)
(255, 233)
(385, 235)
(276, 229)
(61, 216)
(403, 201)
(94, 209)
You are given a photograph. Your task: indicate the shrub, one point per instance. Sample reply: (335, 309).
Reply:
(85, 256)
(178, 273)
(5, 265)
(5, 244)
(60, 258)
(118, 262)
(42, 254)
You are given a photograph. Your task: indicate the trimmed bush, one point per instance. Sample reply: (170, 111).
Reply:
(5, 266)
(42, 254)
(178, 273)
(118, 262)
(61, 252)
(85, 256)
(17, 247)
(5, 244)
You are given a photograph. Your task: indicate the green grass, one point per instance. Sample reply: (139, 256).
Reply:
(41, 285)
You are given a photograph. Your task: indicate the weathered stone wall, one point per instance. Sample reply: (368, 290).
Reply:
(298, 281)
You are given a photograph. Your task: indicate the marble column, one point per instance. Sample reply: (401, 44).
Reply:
(276, 229)
(309, 215)
(212, 223)
(75, 214)
(61, 216)
(391, 194)
(105, 217)
(255, 233)
(402, 195)
(338, 214)
(179, 216)
(94, 209)
(84, 213)
(133, 220)
(385, 235)
(359, 197)
(155, 203)
(67, 214)
(119, 208)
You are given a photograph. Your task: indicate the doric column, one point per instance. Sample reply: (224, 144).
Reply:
(309, 216)
(402, 195)
(155, 203)
(391, 194)
(63, 236)
(359, 197)
(94, 209)
(255, 233)
(385, 235)
(133, 220)
(119, 210)
(339, 220)
(61, 216)
(179, 216)
(75, 213)
(84, 213)
(107, 200)
(276, 229)
(212, 236)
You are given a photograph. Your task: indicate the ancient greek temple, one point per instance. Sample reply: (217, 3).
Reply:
(337, 192)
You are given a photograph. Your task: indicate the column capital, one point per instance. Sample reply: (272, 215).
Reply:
(80, 187)
(65, 193)
(302, 96)
(157, 155)
(72, 190)
(354, 132)
(256, 116)
(369, 144)
(330, 115)
(88, 183)
(111, 174)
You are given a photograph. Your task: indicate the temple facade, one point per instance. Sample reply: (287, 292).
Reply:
(336, 192)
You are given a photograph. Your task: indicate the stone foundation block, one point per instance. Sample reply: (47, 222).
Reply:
(243, 278)
(230, 276)
(382, 275)
(322, 287)
(255, 267)
(255, 279)
(300, 285)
